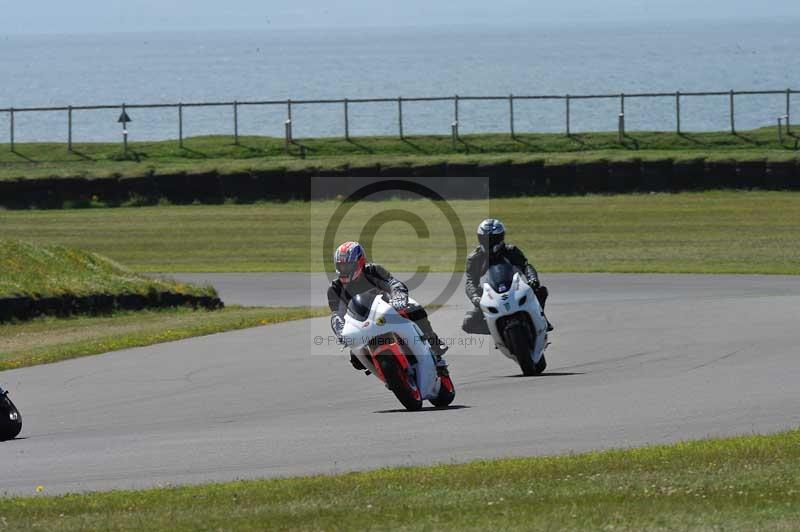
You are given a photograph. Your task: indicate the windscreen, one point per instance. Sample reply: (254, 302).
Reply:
(499, 277)
(360, 305)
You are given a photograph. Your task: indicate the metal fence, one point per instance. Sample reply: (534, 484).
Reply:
(783, 121)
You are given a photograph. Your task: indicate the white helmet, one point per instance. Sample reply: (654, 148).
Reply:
(491, 235)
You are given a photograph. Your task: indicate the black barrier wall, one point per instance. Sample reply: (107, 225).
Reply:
(23, 308)
(507, 179)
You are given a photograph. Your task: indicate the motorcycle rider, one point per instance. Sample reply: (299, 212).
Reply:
(355, 276)
(492, 247)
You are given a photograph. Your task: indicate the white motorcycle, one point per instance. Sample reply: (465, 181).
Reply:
(389, 345)
(515, 317)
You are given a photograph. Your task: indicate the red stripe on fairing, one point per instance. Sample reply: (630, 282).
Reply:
(393, 349)
(447, 383)
(400, 356)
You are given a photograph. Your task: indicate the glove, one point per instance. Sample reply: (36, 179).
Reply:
(535, 284)
(337, 324)
(476, 301)
(399, 300)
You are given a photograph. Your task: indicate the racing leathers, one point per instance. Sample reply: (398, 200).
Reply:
(478, 263)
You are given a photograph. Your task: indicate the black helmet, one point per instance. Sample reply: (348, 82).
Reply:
(491, 234)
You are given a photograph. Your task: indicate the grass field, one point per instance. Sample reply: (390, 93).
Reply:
(728, 232)
(219, 153)
(40, 270)
(46, 340)
(746, 483)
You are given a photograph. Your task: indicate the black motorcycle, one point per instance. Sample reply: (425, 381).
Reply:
(10, 418)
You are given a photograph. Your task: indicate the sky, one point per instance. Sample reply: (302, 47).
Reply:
(100, 16)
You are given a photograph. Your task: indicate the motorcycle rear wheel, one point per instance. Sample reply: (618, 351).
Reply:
(396, 381)
(446, 394)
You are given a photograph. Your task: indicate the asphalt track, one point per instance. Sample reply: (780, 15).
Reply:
(635, 360)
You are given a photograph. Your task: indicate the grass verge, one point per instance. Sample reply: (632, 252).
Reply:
(745, 483)
(703, 232)
(50, 270)
(47, 340)
(220, 154)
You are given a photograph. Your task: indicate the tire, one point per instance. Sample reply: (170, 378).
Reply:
(397, 383)
(518, 343)
(541, 366)
(446, 396)
(10, 419)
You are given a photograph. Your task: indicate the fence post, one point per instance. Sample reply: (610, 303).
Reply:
(346, 121)
(454, 125)
(780, 133)
(236, 123)
(11, 126)
(621, 121)
(289, 136)
(511, 115)
(678, 112)
(69, 128)
(180, 125)
(733, 119)
(569, 133)
(400, 116)
(124, 131)
(788, 110)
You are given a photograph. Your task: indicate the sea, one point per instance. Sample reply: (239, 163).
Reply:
(226, 66)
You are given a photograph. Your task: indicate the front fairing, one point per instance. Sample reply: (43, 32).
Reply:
(518, 298)
(384, 320)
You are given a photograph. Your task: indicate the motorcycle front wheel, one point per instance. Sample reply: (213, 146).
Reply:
(397, 380)
(518, 343)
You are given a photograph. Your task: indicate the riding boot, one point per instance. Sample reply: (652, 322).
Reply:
(541, 293)
(438, 347)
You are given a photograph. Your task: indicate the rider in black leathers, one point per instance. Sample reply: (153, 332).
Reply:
(356, 276)
(491, 236)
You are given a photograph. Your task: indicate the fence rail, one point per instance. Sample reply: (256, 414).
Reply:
(784, 121)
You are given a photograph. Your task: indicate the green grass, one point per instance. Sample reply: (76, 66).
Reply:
(746, 483)
(219, 153)
(39, 270)
(708, 232)
(47, 340)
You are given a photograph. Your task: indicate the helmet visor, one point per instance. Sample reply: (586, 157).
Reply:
(491, 243)
(346, 269)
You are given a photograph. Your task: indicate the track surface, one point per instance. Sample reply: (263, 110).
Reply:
(635, 360)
